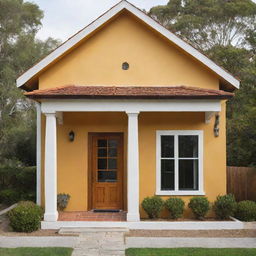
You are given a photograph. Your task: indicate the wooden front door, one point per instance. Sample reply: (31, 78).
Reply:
(106, 171)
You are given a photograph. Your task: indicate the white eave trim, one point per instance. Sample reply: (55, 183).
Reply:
(130, 106)
(145, 18)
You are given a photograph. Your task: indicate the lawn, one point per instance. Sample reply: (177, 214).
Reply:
(36, 252)
(190, 252)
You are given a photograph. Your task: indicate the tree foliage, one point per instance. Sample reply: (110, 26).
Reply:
(225, 31)
(207, 23)
(19, 49)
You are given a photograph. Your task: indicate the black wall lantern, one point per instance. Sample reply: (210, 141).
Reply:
(216, 125)
(71, 136)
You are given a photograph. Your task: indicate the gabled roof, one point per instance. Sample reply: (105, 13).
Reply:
(128, 92)
(124, 5)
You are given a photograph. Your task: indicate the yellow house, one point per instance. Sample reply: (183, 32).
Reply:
(126, 110)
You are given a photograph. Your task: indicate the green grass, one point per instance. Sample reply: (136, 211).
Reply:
(36, 251)
(190, 252)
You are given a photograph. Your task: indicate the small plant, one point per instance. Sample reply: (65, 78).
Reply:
(152, 206)
(199, 206)
(62, 201)
(246, 211)
(225, 206)
(175, 207)
(26, 217)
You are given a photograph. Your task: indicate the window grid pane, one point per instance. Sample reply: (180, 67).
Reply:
(188, 175)
(167, 146)
(107, 161)
(188, 146)
(167, 175)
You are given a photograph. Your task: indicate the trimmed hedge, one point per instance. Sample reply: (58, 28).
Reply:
(225, 206)
(9, 196)
(199, 206)
(17, 183)
(26, 217)
(175, 206)
(246, 211)
(152, 206)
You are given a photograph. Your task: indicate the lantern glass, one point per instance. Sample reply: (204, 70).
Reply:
(71, 136)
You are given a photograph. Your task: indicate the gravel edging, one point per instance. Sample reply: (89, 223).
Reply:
(39, 233)
(189, 242)
(236, 233)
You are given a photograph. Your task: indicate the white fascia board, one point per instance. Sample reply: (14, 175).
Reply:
(132, 106)
(145, 18)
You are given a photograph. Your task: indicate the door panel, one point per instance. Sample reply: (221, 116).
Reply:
(107, 171)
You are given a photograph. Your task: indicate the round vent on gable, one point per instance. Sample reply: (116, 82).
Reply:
(125, 66)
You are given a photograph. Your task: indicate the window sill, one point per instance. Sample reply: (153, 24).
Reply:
(180, 193)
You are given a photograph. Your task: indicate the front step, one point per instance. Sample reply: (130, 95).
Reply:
(77, 231)
(98, 241)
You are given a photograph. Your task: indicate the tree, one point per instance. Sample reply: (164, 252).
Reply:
(19, 49)
(207, 23)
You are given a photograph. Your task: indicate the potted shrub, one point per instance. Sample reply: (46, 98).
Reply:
(152, 206)
(199, 206)
(175, 206)
(62, 201)
(225, 206)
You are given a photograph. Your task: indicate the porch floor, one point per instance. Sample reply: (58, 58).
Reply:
(92, 216)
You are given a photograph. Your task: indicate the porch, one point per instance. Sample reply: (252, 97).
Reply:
(196, 113)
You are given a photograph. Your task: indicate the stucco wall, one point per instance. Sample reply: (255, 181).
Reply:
(153, 60)
(214, 164)
(73, 156)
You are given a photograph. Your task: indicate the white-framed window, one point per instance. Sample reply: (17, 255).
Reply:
(179, 158)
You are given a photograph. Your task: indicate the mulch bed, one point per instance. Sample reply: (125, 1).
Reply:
(184, 219)
(193, 233)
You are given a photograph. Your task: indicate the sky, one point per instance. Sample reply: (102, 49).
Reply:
(63, 18)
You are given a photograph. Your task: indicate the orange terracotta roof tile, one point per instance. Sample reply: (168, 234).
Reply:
(138, 92)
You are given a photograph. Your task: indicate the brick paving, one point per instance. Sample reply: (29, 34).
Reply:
(92, 216)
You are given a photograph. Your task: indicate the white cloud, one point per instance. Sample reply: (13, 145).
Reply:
(63, 18)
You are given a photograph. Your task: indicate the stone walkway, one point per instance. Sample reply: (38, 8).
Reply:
(100, 242)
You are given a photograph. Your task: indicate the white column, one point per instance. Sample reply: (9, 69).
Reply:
(50, 173)
(133, 168)
(38, 153)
